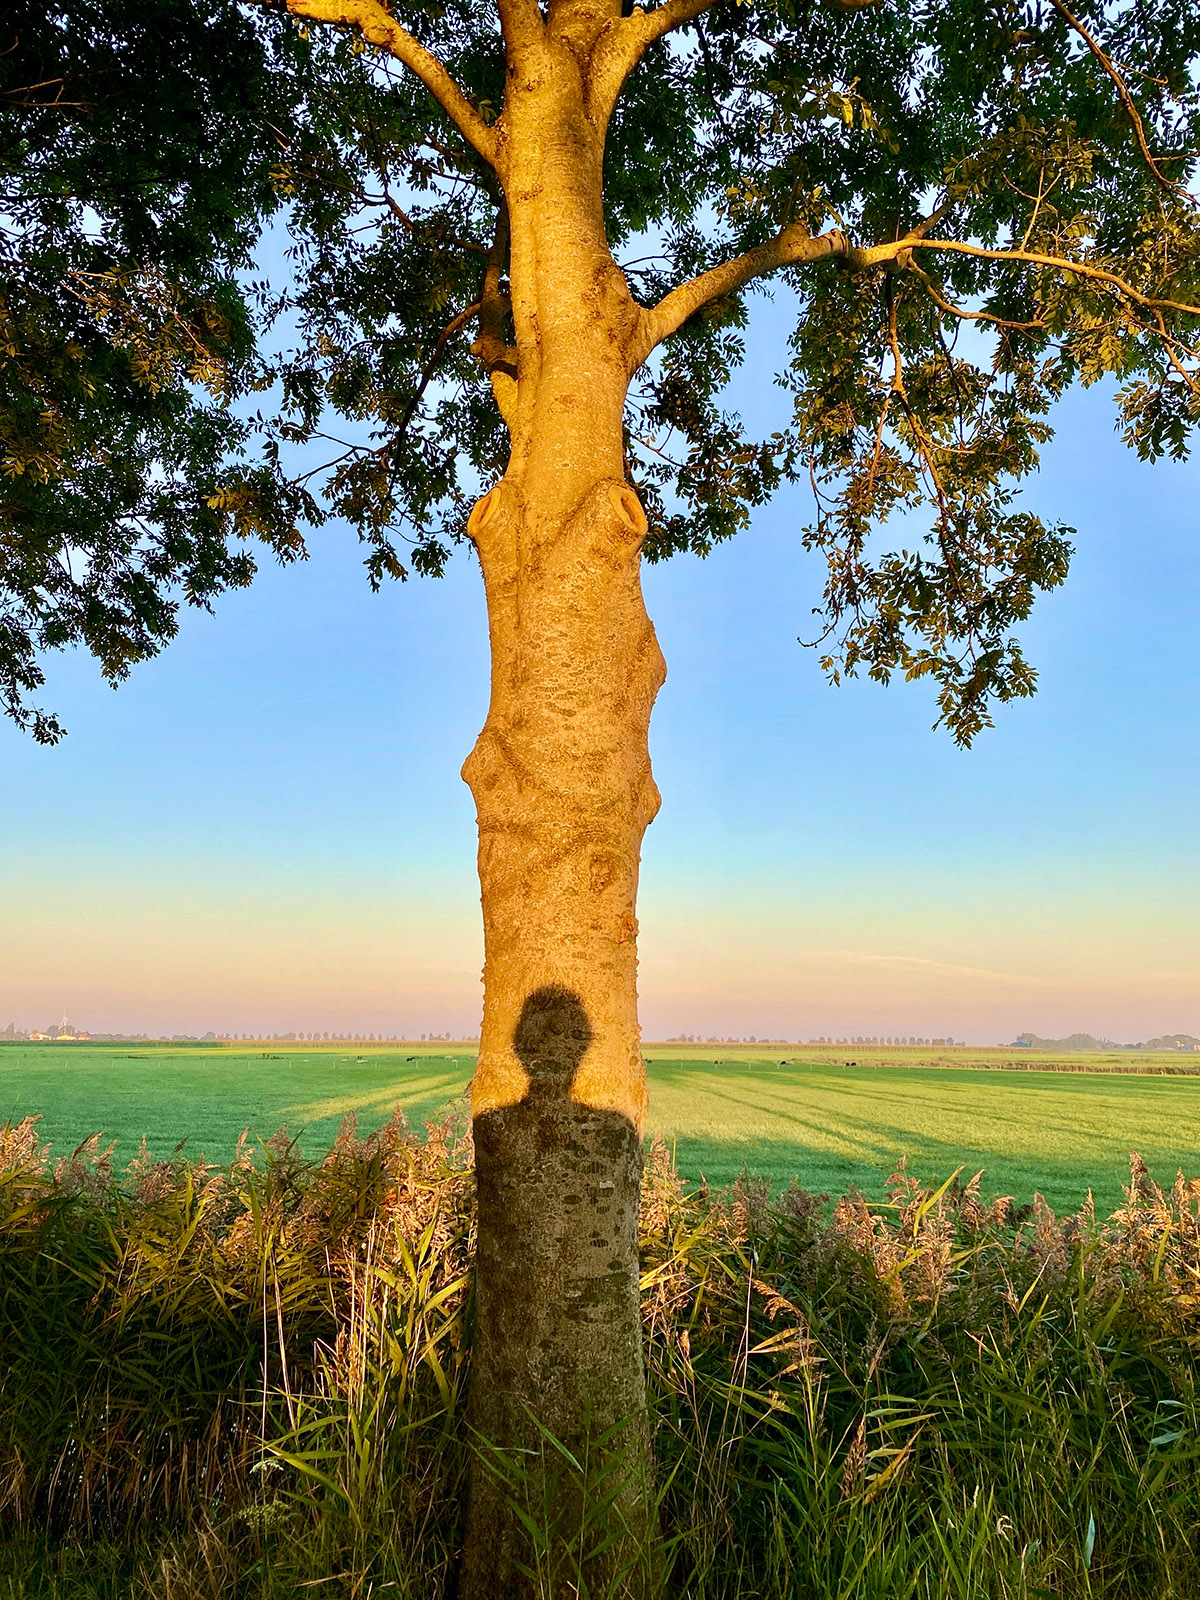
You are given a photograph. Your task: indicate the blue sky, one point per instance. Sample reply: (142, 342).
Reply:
(265, 828)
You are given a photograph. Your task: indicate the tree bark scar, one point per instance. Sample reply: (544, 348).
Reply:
(604, 869)
(628, 507)
(484, 511)
(492, 528)
(558, 1330)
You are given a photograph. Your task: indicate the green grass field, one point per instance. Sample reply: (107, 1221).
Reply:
(830, 1125)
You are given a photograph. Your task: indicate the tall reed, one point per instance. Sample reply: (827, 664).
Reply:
(250, 1382)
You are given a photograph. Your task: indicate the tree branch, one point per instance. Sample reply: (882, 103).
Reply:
(651, 25)
(425, 228)
(1125, 97)
(878, 255)
(386, 450)
(625, 41)
(521, 18)
(490, 346)
(522, 26)
(794, 246)
(377, 27)
(963, 315)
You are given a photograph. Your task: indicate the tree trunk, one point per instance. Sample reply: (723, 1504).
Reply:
(561, 778)
(563, 790)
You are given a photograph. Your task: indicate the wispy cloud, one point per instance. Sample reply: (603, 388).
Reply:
(928, 965)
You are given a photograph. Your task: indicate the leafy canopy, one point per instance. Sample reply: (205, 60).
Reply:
(1003, 187)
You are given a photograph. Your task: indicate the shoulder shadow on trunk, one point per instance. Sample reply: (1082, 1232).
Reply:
(550, 1040)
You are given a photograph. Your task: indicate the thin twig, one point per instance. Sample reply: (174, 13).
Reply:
(1126, 100)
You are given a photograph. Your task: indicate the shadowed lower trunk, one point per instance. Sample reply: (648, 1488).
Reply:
(557, 1356)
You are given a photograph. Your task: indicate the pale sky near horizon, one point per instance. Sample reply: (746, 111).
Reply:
(265, 828)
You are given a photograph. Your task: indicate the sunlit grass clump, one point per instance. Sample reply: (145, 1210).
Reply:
(236, 1382)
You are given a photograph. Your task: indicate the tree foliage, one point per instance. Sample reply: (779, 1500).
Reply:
(135, 152)
(1002, 188)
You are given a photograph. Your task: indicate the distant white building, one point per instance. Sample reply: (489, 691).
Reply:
(64, 1032)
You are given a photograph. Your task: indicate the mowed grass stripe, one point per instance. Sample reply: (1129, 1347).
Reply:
(208, 1096)
(829, 1126)
(837, 1126)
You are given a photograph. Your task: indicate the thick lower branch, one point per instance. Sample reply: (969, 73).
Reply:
(377, 27)
(791, 247)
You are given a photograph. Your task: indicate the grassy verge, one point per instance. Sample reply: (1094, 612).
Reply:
(248, 1383)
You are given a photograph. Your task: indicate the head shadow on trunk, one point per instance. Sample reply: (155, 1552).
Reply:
(550, 1039)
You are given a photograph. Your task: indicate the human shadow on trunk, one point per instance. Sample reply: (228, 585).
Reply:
(557, 1329)
(558, 1181)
